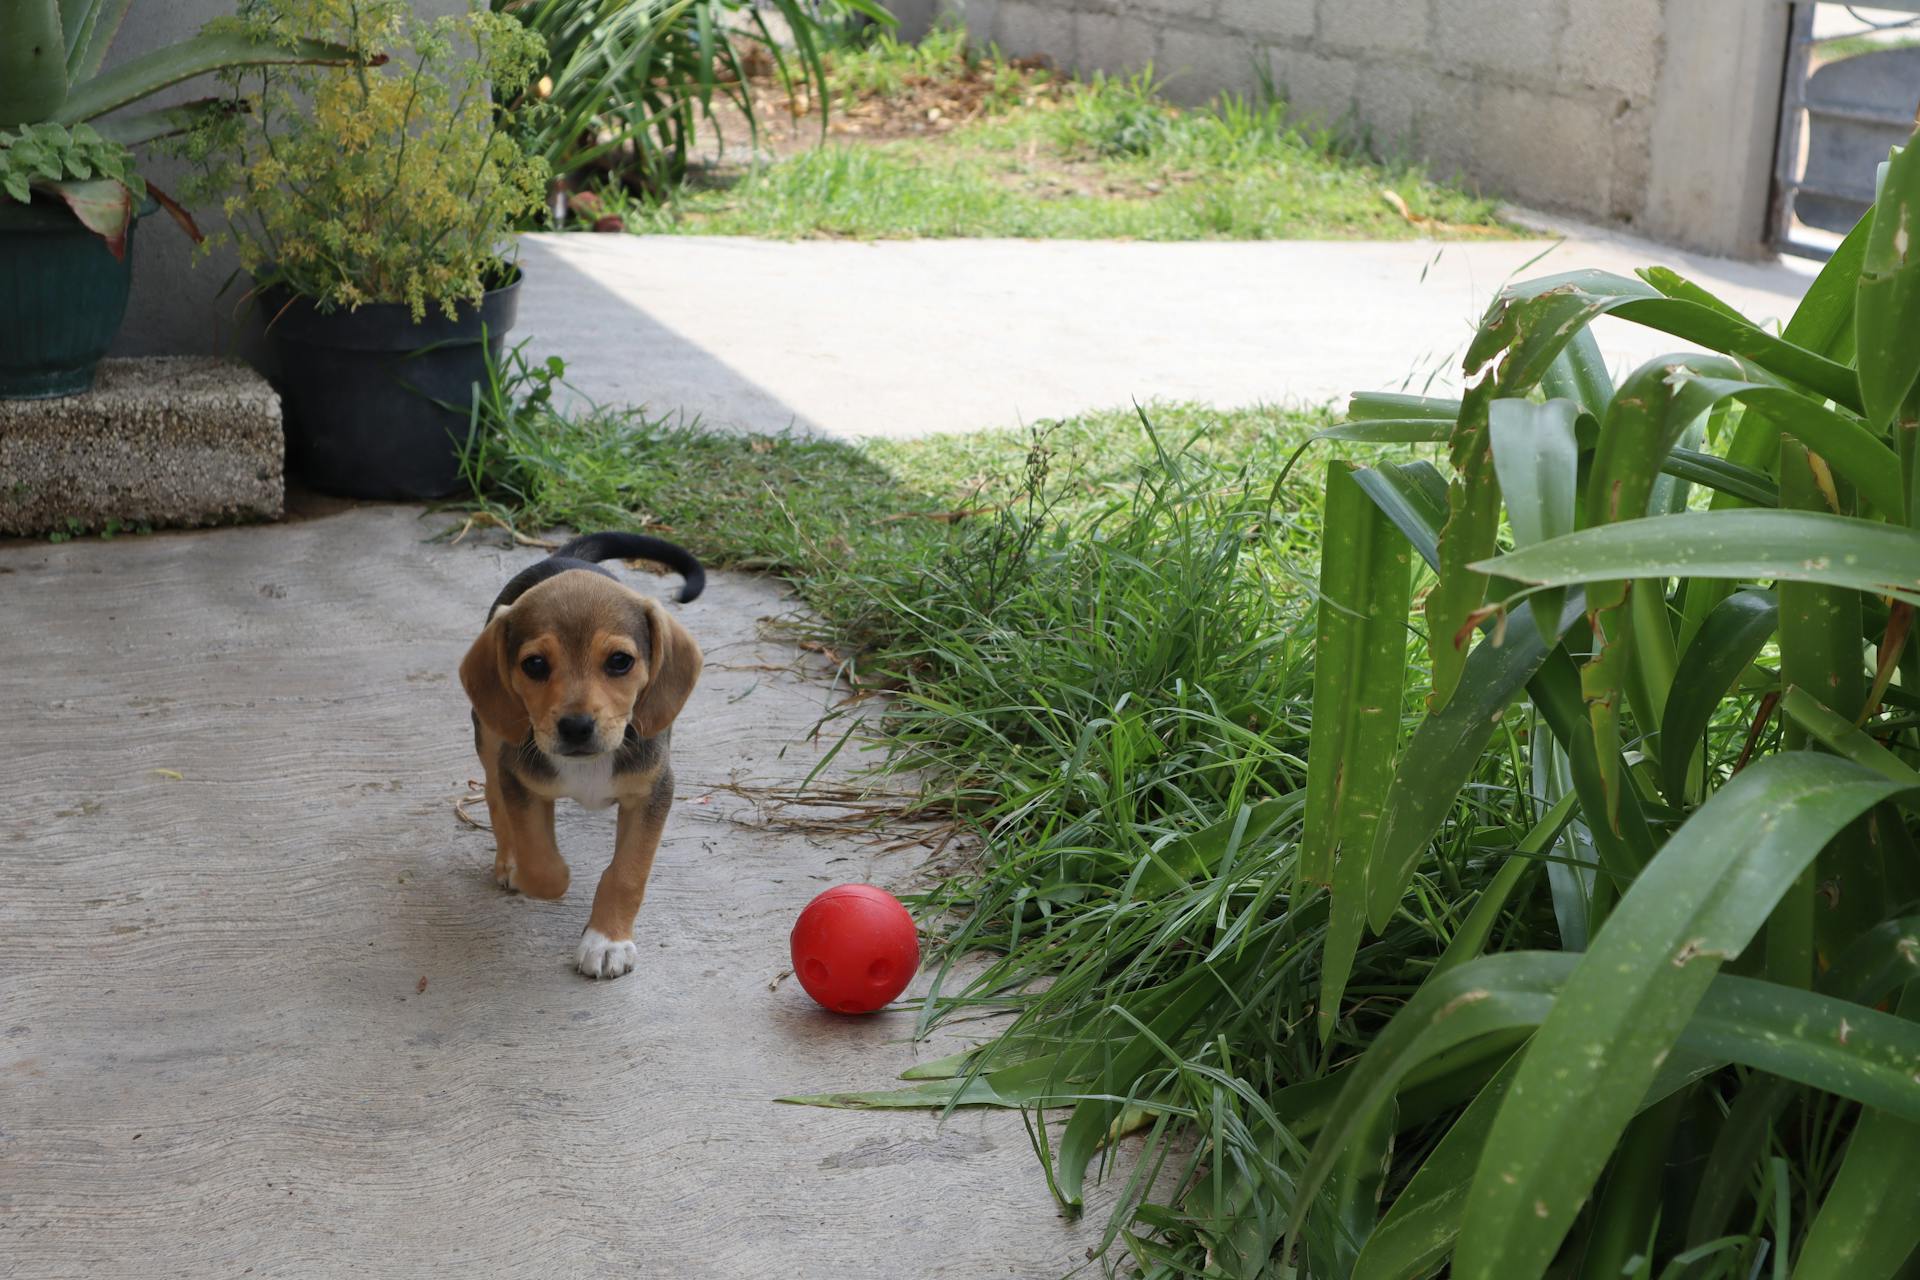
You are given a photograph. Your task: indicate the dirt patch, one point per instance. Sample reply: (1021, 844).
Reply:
(920, 106)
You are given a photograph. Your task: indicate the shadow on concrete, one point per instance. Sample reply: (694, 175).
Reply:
(618, 353)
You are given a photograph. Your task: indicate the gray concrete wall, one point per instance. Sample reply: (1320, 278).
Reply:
(1652, 114)
(176, 304)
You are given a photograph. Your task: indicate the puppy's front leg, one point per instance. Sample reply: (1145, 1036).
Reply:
(502, 830)
(524, 822)
(606, 948)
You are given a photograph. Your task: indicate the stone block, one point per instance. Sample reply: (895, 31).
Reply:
(1198, 65)
(1374, 26)
(1269, 19)
(1442, 136)
(1545, 149)
(1025, 28)
(171, 440)
(1198, 12)
(1114, 43)
(1513, 41)
(1614, 44)
(977, 16)
(1632, 163)
(1315, 87)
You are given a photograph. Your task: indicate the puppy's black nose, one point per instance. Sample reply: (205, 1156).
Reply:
(574, 731)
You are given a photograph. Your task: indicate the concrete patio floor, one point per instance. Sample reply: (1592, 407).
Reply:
(901, 338)
(265, 1012)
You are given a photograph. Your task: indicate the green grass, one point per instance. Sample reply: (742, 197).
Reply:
(772, 501)
(1102, 159)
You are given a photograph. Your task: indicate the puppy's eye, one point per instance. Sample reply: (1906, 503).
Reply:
(618, 664)
(535, 666)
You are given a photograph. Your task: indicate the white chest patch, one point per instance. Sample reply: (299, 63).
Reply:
(587, 782)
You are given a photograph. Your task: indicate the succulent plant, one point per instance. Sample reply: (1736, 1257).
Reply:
(57, 135)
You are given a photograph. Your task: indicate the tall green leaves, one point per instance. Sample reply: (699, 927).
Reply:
(1699, 830)
(1888, 312)
(1695, 907)
(1366, 576)
(1473, 523)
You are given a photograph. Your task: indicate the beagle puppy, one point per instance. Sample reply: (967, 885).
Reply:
(575, 683)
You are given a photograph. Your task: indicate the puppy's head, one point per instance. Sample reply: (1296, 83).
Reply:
(576, 660)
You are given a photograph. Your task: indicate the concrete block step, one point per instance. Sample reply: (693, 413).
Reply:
(160, 441)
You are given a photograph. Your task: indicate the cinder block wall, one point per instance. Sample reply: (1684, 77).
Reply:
(1551, 103)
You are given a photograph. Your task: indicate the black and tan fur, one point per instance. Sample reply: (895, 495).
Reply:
(575, 683)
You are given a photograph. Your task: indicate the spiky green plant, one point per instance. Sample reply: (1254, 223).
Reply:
(1716, 1068)
(51, 54)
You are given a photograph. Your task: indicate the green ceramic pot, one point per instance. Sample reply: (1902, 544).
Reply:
(62, 297)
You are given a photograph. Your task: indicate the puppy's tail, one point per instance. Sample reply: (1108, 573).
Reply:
(638, 546)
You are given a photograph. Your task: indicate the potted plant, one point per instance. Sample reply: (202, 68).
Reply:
(69, 194)
(373, 207)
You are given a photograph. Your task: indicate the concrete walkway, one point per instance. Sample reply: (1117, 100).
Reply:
(901, 338)
(265, 1012)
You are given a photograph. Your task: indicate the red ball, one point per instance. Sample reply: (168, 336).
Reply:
(855, 948)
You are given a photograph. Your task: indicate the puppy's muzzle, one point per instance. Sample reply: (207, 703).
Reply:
(575, 735)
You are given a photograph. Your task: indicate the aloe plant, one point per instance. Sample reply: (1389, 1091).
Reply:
(54, 93)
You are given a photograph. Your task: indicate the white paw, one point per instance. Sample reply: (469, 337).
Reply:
(601, 957)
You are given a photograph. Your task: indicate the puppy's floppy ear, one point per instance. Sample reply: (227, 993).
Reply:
(485, 675)
(675, 667)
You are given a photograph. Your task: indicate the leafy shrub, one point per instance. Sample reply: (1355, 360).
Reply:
(626, 83)
(391, 182)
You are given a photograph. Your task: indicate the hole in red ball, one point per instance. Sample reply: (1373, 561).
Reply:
(879, 973)
(814, 971)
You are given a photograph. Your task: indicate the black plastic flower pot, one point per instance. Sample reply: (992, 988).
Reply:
(62, 297)
(377, 405)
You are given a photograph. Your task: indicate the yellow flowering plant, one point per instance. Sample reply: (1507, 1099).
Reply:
(397, 179)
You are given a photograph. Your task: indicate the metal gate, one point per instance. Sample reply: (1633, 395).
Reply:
(1838, 117)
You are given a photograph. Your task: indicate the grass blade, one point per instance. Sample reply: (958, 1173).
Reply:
(1471, 938)
(1729, 640)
